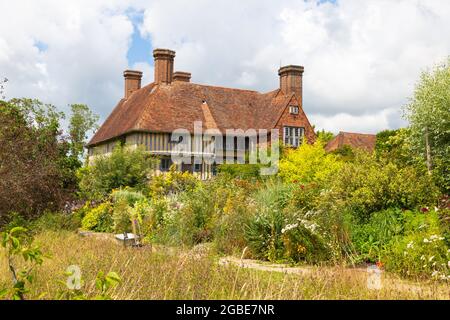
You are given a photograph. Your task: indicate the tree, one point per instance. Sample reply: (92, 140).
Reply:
(82, 121)
(308, 163)
(30, 176)
(428, 114)
(325, 136)
(38, 163)
(124, 167)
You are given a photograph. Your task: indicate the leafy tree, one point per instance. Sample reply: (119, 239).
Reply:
(124, 167)
(325, 136)
(38, 162)
(30, 176)
(429, 118)
(82, 121)
(308, 163)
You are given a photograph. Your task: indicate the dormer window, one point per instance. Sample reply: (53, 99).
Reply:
(293, 110)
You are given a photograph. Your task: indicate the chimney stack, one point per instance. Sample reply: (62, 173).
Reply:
(132, 81)
(182, 76)
(291, 81)
(163, 65)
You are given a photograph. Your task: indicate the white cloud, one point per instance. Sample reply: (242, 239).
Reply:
(84, 54)
(361, 58)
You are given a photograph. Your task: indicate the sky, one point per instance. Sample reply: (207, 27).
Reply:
(362, 58)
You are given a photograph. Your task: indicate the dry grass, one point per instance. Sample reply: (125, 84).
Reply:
(198, 275)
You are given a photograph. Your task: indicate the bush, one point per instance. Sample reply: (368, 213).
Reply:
(99, 218)
(367, 185)
(232, 219)
(371, 238)
(240, 171)
(277, 232)
(421, 250)
(56, 221)
(308, 163)
(125, 167)
(172, 182)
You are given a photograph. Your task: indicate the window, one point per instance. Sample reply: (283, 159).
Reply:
(165, 164)
(293, 110)
(293, 136)
(197, 167)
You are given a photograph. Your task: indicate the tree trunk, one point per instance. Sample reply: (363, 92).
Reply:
(428, 151)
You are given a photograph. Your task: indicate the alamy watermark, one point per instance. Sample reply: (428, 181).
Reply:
(234, 146)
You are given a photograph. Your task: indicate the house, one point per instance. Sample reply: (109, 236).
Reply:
(355, 140)
(150, 115)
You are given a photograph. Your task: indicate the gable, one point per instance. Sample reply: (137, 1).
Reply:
(295, 120)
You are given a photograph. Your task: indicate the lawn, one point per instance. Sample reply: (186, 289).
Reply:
(177, 273)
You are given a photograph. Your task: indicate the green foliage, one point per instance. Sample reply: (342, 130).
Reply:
(421, 250)
(82, 121)
(278, 233)
(104, 284)
(240, 171)
(395, 145)
(172, 182)
(324, 136)
(13, 242)
(371, 238)
(367, 185)
(99, 218)
(308, 163)
(428, 112)
(344, 153)
(124, 167)
(31, 180)
(57, 221)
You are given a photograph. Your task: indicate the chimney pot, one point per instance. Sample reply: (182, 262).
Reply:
(291, 81)
(132, 81)
(182, 76)
(163, 65)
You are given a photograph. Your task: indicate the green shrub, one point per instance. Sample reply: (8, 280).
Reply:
(57, 221)
(124, 167)
(99, 218)
(121, 216)
(367, 185)
(421, 250)
(172, 182)
(127, 195)
(308, 163)
(371, 238)
(231, 221)
(240, 171)
(279, 232)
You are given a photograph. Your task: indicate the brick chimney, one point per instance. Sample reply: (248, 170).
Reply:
(132, 81)
(163, 65)
(182, 76)
(291, 81)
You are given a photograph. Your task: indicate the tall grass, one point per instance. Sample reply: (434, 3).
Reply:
(196, 274)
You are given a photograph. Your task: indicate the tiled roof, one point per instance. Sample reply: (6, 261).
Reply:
(354, 140)
(164, 108)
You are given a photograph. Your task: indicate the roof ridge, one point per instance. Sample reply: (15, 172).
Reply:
(219, 87)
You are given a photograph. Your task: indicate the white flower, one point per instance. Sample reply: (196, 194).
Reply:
(410, 245)
(426, 240)
(431, 259)
(289, 227)
(422, 258)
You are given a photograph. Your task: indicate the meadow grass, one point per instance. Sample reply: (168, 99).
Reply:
(196, 274)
